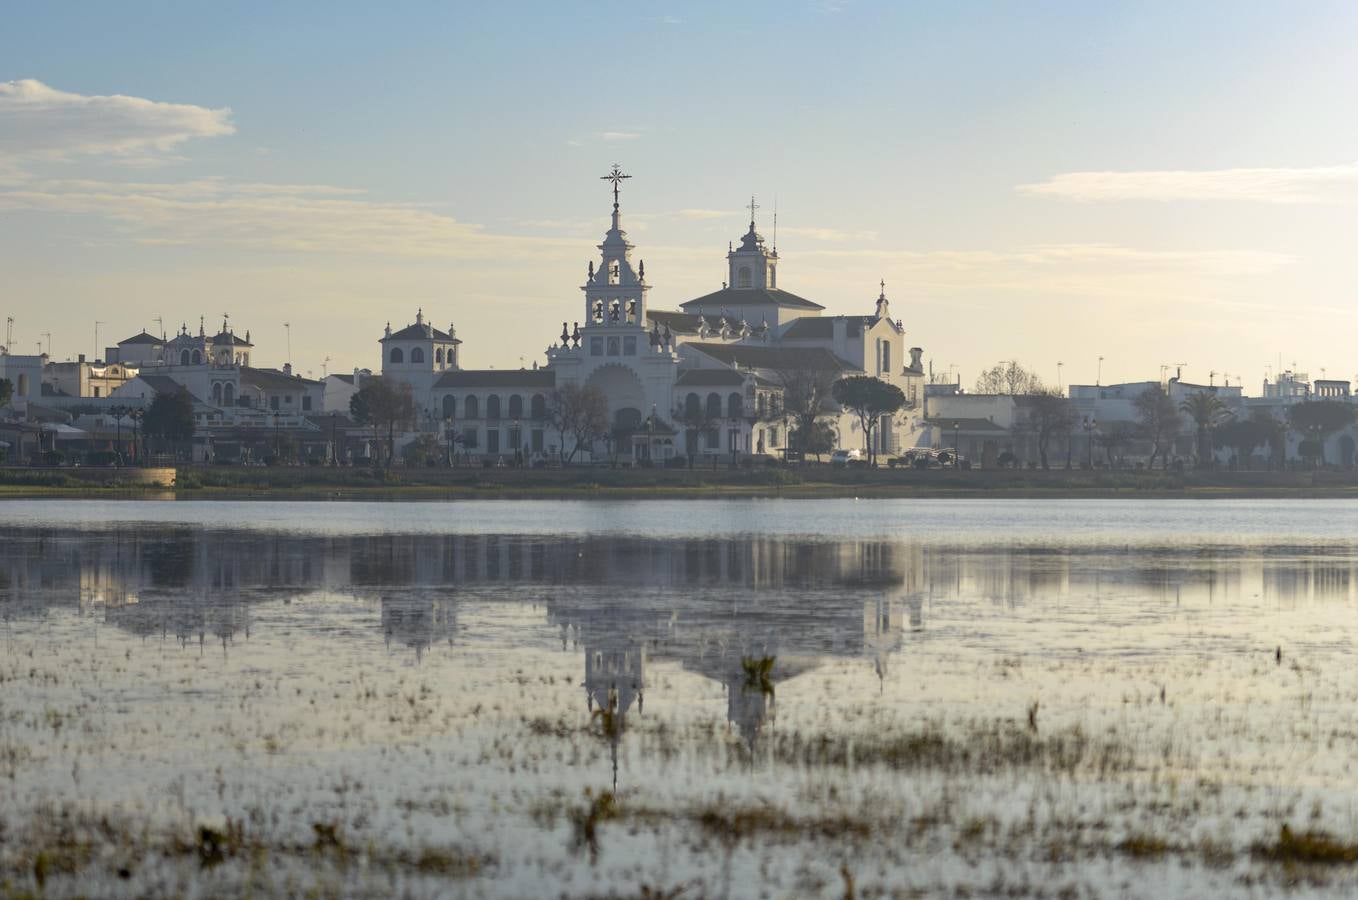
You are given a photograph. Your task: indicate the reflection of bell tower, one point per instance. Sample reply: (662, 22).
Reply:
(418, 621)
(749, 706)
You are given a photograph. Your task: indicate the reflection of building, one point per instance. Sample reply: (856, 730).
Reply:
(417, 620)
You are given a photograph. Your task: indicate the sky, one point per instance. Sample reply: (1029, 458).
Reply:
(1151, 183)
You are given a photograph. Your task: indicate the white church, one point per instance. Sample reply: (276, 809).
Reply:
(701, 381)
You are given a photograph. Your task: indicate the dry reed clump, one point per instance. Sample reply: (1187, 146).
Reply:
(1308, 848)
(976, 748)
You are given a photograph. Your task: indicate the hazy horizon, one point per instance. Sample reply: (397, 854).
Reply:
(1153, 185)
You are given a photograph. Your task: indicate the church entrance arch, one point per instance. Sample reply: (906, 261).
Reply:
(626, 397)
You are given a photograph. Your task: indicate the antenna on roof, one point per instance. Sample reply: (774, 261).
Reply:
(775, 223)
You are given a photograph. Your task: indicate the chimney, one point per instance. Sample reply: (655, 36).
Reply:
(80, 358)
(916, 353)
(287, 368)
(839, 326)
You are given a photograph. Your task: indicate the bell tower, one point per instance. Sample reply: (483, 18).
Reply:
(753, 266)
(615, 293)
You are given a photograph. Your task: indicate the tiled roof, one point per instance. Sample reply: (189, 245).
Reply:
(709, 377)
(749, 297)
(227, 337)
(142, 338)
(425, 332)
(505, 378)
(760, 356)
(164, 384)
(816, 328)
(273, 379)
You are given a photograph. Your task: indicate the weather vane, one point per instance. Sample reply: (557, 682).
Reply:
(616, 176)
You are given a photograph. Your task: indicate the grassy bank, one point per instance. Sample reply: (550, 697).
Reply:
(202, 482)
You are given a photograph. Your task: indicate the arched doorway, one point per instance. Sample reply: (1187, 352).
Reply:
(626, 399)
(1346, 448)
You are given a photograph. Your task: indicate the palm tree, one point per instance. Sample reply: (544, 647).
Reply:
(1207, 411)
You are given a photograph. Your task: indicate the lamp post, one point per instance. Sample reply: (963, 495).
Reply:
(956, 443)
(137, 415)
(277, 441)
(118, 412)
(787, 439)
(334, 448)
(1089, 425)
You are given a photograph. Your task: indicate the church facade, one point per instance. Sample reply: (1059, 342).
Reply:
(705, 380)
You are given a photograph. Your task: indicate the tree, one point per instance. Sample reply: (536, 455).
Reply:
(1207, 411)
(580, 411)
(1049, 414)
(1008, 377)
(1318, 419)
(807, 395)
(868, 398)
(383, 403)
(170, 418)
(6, 391)
(697, 420)
(1159, 421)
(1114, 438)
(820, 440)
(423, 451)
(1243, 435)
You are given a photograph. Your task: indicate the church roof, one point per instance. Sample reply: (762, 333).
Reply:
(815, 328)
(227, 337)
(687, 323)
(505, 378)
(709, 378)
(164, 384)
(762, 356)
(142, 338)
(425, 332)
(750, 297)
(273, 379)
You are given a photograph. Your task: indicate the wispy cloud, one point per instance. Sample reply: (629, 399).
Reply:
(38, 121)
(705, 214)
(829, 235)
(1317, 184)
(620, 135)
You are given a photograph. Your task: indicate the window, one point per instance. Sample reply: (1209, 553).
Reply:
(773, 437)
(537, 440)
(735, 406)
(449, 406)
(397, 356)
(539, 407)
(288, 399)
(743, 277)
(306, 403)
(493, 406)
(96, 392)
(596, 346)
(183, 357)
(471, 408)
(416, 355)
(197, 358)
(714, 406)
(493, 440)
(515, 439)
(693, 406)
(438, 356)
(229, 395)
(612, 346)
(217, 393)
(516, 407)
(629, 346)
(886, 356)
(273, 403)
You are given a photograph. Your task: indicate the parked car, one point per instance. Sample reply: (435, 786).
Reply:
(843, 459)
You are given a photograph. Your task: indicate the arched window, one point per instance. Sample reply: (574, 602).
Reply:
(714, 406)
(493, 406)
(516, 407)
(416, 355)
(183, 357)
(197, 358)
(471, 408)
(438, 356)
(743, 277)
(886, 356)
(229, 395)
(23, 385)
(693, 406)
(539, 406)
(397, 356)
(735, 406)
(217, 393)
(449, 406)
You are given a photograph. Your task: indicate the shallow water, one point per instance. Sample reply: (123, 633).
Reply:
(715, 698)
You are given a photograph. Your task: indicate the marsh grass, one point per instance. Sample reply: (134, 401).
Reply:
(1316, 848)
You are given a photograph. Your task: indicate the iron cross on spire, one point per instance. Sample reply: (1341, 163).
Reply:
(616, 176)
(753, 207)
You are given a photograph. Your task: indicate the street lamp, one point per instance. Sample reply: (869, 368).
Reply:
(1089, 425)
(956, 443)
(118, 411)
(334, 448)
(277, 441)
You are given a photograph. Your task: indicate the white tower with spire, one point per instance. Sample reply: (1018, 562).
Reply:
(753, 265)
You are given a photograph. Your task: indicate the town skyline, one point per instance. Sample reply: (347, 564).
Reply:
(1011, 217)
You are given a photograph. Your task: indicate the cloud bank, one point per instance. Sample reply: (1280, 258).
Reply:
(38, 121)
(1317, 184)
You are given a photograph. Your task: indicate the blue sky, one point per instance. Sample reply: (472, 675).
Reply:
(1151, 183)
